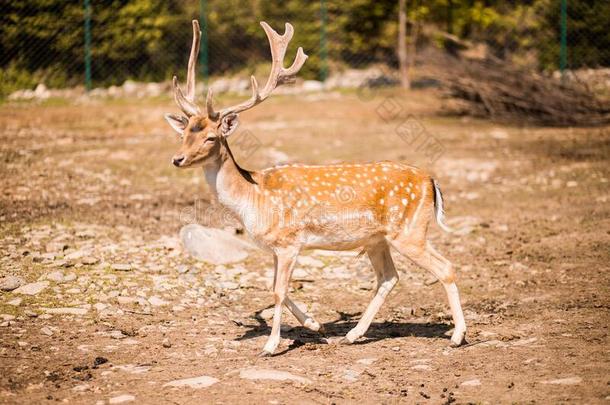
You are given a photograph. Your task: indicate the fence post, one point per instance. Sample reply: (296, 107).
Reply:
(563, 50)
(323, 50)
(203, 55)
(87, 45)
(403, 66)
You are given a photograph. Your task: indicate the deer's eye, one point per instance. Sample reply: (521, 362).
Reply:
(210, 138)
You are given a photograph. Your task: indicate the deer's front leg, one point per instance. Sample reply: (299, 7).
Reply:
(307, 321)
(285, 259)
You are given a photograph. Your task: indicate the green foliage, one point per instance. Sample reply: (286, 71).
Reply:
(13, 78)
(149, 39)
(588, 34)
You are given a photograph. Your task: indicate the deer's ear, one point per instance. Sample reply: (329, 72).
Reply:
(177, 122)
(229, 124)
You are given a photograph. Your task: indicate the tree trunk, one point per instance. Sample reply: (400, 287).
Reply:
(402, 45)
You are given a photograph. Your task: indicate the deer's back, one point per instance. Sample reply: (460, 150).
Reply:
(339, 206)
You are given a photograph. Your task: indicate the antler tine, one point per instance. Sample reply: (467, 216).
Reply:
(278, 75)
(209, 102)
(279, 44)
(187, 106)
(298, 63)
(187, 102)
(190, 77)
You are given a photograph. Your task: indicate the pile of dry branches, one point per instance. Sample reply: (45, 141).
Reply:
(498, 91)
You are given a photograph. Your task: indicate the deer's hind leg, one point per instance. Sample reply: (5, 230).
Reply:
(387, 277)
(412, 243)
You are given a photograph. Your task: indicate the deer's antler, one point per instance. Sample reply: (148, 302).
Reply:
(278, 75)
(187, 102)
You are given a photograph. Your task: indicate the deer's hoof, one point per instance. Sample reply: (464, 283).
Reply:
(344, 342)
(459, 340)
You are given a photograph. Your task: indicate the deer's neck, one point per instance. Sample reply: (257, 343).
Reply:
(232, 185)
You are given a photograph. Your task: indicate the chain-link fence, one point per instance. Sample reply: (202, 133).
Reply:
(95, 43)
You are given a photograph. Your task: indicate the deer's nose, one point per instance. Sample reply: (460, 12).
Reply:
(177, 160)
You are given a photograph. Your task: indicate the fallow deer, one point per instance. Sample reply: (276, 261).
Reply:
(286, 209)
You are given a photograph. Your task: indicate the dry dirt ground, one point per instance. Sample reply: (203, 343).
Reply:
(91, 207)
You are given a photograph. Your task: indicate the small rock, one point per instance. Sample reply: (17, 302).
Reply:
(37, 257)
(182, 269)
(501, 228)
(267, 314)
(214, 246)
(228, 285)
(15, 302)
(157, 302)
(81, 388)
(300, 275)
(55, 246)
(32, 288)
(564, 381)
(45, 330)
(89, 260)
(117, 334)
(86, 234)
(264, 374)
(312, 86)
(351, 375)
(166, 343)
(65, 311)
(367, 361)
(498, 133)
(194, 382)
(133, 369)
(41, 91)
(471, 383)
(76, 255)
(55, 276)
(524, 342)
(310, 262)
(121, 267)
(517, 266)
(121, 399)
(396, 348)
(421, 367)
(126, 300)
(10, 283)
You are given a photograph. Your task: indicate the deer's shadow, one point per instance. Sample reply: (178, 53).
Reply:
(343, 324)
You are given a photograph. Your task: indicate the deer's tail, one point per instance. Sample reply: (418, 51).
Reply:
(439, 210)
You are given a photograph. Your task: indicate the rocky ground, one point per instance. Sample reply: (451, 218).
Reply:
(100, 303)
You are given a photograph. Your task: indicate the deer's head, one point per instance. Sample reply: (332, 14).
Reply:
(203, 135)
